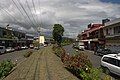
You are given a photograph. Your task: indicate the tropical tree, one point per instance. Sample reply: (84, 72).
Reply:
(58, 31)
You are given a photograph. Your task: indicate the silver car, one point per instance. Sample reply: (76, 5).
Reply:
(2, 49)
(111, 63)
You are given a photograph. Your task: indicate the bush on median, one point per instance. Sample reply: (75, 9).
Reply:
(79, 65)
(28, 54)
(5, 68)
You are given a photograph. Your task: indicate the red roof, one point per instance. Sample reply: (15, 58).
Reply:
(94, 27)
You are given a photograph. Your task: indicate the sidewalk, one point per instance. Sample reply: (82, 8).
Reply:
(41, 65)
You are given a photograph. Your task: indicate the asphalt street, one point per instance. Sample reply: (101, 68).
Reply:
(15, 56)
(95, 60)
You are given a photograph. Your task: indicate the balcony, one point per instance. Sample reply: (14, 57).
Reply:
(113, 35)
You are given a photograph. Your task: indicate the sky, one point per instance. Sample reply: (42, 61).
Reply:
(31, 16)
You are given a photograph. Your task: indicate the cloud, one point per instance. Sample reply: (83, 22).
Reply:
(74, 15)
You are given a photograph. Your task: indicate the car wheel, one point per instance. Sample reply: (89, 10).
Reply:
(107, 71)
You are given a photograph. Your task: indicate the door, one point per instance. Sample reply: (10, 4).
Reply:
(113, 65)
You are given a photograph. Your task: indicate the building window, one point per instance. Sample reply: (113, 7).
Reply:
(107, 31)
(117, 30)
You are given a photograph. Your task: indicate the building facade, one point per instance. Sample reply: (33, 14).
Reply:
(11, 38)
(93, 37)
(112, 35)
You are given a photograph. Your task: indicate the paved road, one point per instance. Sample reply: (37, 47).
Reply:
(41, 65)
(15, 56)
(93, 58)
(69, 49)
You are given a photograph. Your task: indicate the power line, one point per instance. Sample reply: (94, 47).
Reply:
(40, 13)
(26, 12)
(9, 14)
(35, 11)
(20, 11)
(5, 15)
(31, 12)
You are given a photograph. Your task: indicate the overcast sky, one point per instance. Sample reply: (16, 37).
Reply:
(74, 15)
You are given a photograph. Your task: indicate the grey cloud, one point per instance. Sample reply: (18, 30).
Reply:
(74, 15)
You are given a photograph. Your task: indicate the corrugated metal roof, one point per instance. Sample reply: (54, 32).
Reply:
(113, 22)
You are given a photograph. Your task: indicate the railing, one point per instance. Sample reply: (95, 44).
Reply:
(113, 35)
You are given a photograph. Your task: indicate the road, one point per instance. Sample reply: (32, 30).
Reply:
(15, 56)
(95, 60)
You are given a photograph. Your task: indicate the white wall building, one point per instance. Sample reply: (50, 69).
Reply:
(112, 34)
(41, 39)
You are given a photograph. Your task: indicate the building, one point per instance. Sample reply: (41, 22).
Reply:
(41, 39)
(93, 36)
(112, 34)
(11, 38)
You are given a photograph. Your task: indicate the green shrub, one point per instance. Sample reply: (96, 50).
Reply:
(91, 74)
(28, 54)
(59, 51)
(5, 68)
(107, 77)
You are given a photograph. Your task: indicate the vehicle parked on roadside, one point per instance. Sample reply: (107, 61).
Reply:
(102, 52)
(31, 46)
(111, 63)
(2, 49)
(17, 48)
(36, 48)
(24, 47)
(79, 45)
(45, 45)
(9, 49)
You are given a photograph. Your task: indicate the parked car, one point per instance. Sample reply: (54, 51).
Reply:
(36, 48)
(2, 49)
(9, 49)
(17, 48)
(31, 46)
(45, 45)
(24, 47)
(102, 52)
(79, 45)
(111, 63)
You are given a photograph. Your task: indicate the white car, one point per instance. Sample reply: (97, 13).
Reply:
(111, 63)
(2, 49)
(9, 49)
(24, 47)
(81, 47)
(31, 46)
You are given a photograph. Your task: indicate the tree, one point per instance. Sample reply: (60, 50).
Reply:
(58, 31)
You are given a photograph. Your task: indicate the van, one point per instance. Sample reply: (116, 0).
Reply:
(81, 46)
(2, 49)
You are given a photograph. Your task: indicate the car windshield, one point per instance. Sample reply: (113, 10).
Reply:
(1, 47)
